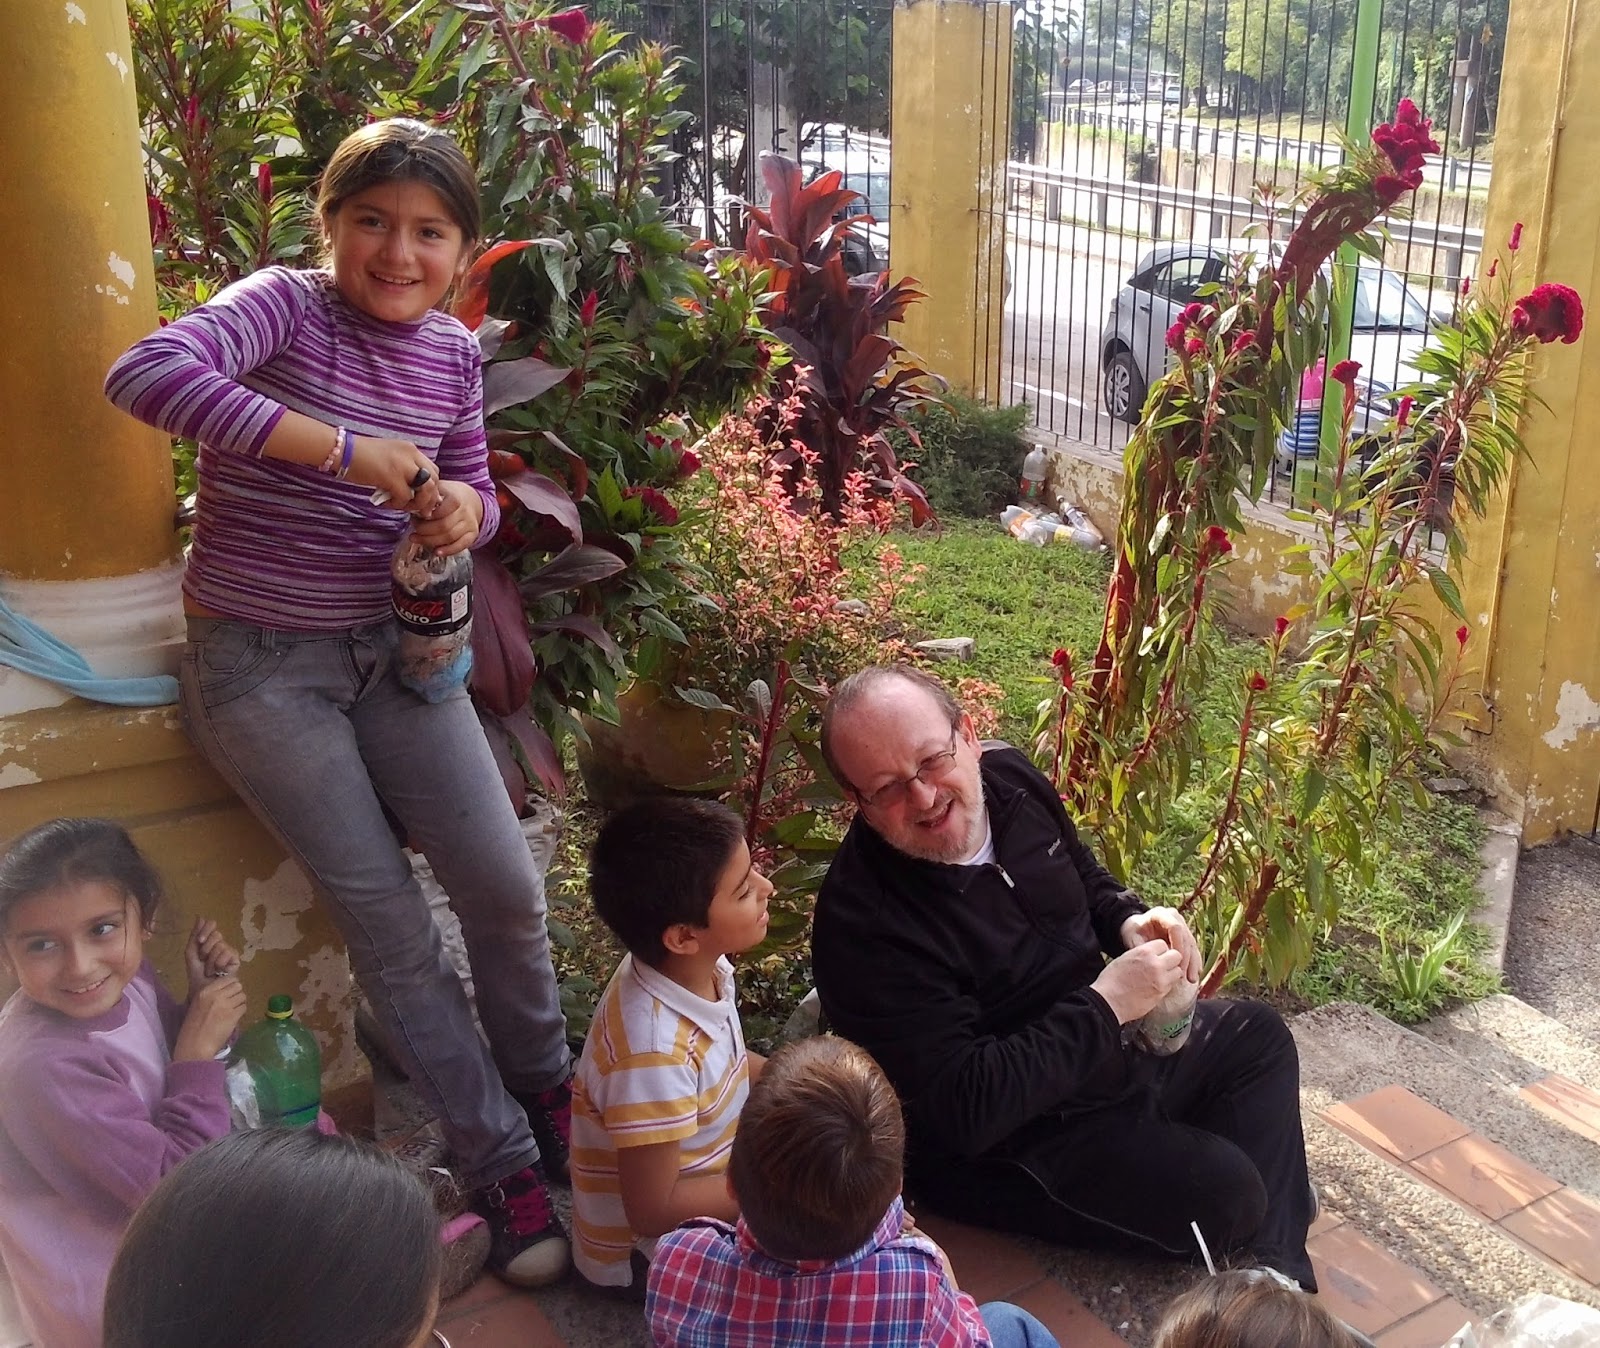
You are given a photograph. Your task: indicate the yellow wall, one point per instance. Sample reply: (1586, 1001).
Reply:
(88, 492)
(1533, 583)
(952, 104)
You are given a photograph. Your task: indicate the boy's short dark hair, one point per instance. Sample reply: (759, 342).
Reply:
(820, 1150)
(656, 863)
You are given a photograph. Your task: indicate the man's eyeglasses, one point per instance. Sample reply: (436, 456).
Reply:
(933, 768)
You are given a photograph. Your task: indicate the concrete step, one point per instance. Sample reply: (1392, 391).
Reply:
(1437, 1158)
(1516, 1044)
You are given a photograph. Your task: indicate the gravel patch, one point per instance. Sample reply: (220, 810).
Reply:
(1553, 957)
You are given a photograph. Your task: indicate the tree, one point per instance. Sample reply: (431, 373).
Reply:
(1040, 41)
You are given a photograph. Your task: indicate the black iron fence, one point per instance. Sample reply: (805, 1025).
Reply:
(1141, 132)
(807, 78)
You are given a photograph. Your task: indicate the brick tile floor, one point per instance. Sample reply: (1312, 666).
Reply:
(1567, 1102)
(1428, 1328)
(1396, 1121)
(1483, 1176)
(1365, 1285)
(1540, 1213)
(1565, 1228)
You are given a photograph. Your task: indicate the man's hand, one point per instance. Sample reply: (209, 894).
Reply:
(206, 955)
(1164, 924)
(1133, 984)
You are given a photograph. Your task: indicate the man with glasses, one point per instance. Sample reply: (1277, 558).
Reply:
(970, 941)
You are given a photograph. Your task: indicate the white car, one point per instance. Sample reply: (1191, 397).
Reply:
(1390, 325)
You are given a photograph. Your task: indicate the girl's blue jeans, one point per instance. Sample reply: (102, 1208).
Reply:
(314, 730)
(1012, 1327)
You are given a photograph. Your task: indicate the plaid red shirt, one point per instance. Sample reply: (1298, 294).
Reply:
(711, 1287)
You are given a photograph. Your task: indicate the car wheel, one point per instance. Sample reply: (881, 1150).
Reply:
(1122, 389)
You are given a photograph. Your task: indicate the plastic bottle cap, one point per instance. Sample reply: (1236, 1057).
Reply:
(280, 1007)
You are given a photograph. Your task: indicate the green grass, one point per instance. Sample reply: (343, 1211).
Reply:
(1020, 602)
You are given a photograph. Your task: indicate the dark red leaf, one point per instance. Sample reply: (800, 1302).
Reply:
(577, 466)
(580, 564)
(541, 753)
(502, 652)
(581, 625)
(545, 496)
(509, 382)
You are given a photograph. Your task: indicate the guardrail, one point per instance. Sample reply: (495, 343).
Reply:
(1441, 237)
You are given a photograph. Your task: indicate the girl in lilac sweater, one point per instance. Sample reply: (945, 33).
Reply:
(106, 1083)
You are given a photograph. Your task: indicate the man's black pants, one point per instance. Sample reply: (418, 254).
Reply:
(1210, 1134)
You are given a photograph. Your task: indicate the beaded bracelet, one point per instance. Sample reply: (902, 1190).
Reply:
(349, 453)
(332, 461)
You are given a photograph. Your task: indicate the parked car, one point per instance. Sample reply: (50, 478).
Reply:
(1172, 93)
(1390, 325)
(866, 171)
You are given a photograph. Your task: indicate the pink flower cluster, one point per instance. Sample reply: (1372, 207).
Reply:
(1183, 336)
(1406, 141)
(655, 503)
(1548, 312)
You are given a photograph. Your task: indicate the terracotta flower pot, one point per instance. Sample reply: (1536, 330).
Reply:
(661, 745)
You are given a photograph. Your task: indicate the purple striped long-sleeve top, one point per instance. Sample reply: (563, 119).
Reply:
(281, 544)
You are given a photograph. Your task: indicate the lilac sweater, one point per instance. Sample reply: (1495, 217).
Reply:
(281, 544)
(92, 1114)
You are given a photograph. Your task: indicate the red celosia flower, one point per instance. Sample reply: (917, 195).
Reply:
(1062, 660)
(1494, 266)
(191, 110)
(591, 303)
(1194, 347)
(1516, 237)
(160, 219)
(688, 463)
(1192, 311)
(1175, 335)
(1216, 540)
(572, 24)
(1402, 416)
(1258, 682)
(1244, 344)
(1547, 312)
(1280, 625)
(1466, 286)
(264, 181)
(655, 503)
(1462, 634)
(1345, 372)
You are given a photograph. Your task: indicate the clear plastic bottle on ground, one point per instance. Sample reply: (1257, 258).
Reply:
(284, 1065)
(1035, 469)
(433, 605)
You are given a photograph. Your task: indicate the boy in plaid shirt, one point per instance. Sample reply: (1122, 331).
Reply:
(824, 1252)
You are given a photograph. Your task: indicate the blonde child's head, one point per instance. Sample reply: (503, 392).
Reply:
(1243, 1310)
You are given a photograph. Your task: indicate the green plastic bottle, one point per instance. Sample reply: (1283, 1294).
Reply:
(285, 1066)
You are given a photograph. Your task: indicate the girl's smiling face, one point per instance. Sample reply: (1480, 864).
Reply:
(75, 948)
(396, 250)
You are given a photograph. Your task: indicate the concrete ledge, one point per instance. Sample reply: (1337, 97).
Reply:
(1502, 845)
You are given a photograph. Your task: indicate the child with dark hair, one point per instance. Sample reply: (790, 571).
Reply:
(824, 1252)
(664, 1071)
(106, 1082)
(1243, 1309)
(279, 1236)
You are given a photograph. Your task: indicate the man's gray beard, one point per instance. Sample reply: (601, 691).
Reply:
(980, 823)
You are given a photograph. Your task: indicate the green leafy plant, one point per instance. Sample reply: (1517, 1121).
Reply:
(1327, 726)
(1418, 978)
(967, 457)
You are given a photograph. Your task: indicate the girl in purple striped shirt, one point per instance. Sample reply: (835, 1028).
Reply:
(306, 390)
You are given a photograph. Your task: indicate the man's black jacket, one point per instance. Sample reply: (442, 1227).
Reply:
(970, 984)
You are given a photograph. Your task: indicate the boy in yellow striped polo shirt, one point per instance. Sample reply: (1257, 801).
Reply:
(664, 1072)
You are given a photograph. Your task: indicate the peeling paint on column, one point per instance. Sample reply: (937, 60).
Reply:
(14, 774)
(76, 15)
(121, 67)
(328, 987)
(121, 268)
(272, 908)
(1576, 712)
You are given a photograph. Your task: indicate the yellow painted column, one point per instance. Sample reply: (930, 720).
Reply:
(951, 123)
(89, 492)
(1532, 581)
